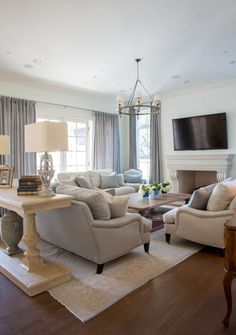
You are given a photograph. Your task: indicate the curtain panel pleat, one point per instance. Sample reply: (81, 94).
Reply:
(106, 141)
(14, 115)
(133, 163)
(155, 148)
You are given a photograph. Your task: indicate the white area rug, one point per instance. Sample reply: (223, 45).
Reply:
(88, 294)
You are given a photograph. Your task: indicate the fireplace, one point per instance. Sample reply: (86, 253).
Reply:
(188, 172)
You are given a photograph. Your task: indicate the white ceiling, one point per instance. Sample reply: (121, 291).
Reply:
(79, 39)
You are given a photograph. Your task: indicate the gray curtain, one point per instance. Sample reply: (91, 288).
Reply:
(132, 142)
(155, 148)
(14, 115)
(106, 141)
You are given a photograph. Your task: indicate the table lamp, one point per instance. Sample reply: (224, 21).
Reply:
(4, 145)
(46, 137)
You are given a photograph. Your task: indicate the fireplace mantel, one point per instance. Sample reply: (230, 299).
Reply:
(220, 163)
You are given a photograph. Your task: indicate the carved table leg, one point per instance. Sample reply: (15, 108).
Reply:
(32, 260)
(227, 289)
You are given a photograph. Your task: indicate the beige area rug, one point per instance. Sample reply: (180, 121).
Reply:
(88, 294)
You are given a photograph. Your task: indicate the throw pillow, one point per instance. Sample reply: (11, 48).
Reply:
(200, 197)
(109, 181)
(118, 205)
(121, 179)
(132, 178)
(221, 196)
(83, 181)
(94, 199)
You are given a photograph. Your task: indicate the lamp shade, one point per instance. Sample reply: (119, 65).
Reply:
(46, 136)
(4, 145)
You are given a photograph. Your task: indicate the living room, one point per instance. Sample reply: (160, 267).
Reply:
(61, 56)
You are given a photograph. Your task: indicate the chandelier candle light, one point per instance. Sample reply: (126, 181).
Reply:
(135, 106)
(46, 137)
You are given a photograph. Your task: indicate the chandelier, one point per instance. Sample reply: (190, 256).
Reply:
(135, 106)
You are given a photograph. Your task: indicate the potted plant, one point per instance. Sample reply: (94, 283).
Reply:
(145, 189)
(165, 186)
(156, 188)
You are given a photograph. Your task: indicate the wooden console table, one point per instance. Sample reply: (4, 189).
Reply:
(29, 271)
(230, 264)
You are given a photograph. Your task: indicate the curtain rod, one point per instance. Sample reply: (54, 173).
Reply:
(55, 104)
(67, 106)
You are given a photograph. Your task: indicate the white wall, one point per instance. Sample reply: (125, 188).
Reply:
(220, 97)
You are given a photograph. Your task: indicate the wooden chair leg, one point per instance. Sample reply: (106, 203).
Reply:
(100, 268)
(146, 247)
(168, 237)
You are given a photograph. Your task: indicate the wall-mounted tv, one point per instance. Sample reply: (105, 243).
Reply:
(201, 132)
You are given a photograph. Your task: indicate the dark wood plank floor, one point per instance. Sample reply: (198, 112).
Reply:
(187, 299)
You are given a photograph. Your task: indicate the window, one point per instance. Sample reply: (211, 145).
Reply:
(77, 156)
(143, 145)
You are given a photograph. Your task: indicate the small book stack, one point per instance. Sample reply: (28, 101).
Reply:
(29, 185)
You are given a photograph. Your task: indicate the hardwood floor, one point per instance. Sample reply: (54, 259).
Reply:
(188, 299)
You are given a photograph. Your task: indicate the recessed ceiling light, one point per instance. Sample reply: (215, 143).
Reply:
(176, 76)
(225, 52)
(28, 66)
(8, 52)
(37, 60)
(232, 62)
(95, 77)
(185, 82)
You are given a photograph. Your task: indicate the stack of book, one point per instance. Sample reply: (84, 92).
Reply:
(29, 185)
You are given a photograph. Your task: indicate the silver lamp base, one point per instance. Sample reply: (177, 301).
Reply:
(46, 173)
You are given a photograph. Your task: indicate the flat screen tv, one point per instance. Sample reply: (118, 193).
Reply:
(202, 132)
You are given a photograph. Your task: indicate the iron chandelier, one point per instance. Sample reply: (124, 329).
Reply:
(135, 106)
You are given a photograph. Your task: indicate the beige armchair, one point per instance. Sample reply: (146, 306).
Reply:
(203, 219)
(201, 226)
(100, 241)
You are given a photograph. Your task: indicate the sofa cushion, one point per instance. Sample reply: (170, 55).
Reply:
(95, 176)
(200, 197)
(121, 179)
(70, 182)
(221, 196)
(118, 205)
(124, 190)
(109, 181)
(94, 199)
(83, 181)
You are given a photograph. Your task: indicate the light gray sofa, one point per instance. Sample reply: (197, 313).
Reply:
(100, 241)
(95, 178)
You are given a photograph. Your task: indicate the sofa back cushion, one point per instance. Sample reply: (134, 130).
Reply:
(121, 179)
(94, 199)
(200, 197)
(95, 176)
(221, 196)
(61, 176)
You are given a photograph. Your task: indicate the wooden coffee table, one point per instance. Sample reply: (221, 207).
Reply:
(147, 207)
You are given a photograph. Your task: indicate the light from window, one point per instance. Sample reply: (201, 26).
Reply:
(143, 145)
